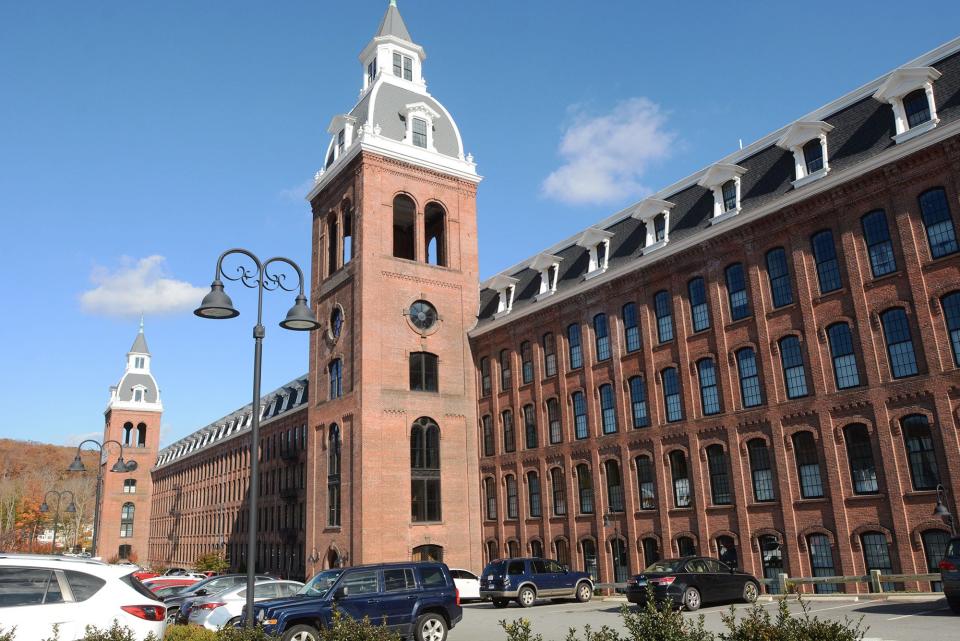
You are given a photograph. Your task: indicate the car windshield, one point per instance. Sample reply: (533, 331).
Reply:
(493, 568)
(320, 584)
(213, 584)
(668, 565)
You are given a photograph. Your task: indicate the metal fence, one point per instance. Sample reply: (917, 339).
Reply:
(783, 583)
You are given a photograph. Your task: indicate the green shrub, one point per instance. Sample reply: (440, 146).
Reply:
(759, 625)
(345, 628)
(211, 562)
(189, 633)
(519, 630)
(7, 634)
(115, 632)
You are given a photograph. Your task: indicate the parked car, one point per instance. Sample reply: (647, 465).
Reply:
(173, 581)
(950, 574)
(414, 599)
(224, 608)
(149, 574)
(179, 602)
(528, 579)
(692, 581)
(468, 584)
(38, 592)
(164, 593)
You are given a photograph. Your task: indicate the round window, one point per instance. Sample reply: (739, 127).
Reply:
(336, 322)
(423, 315)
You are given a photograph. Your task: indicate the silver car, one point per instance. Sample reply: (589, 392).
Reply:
(224, 609)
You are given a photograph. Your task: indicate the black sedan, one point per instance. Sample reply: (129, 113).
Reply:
(692, 581)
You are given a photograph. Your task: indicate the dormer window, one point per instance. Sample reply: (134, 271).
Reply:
(419, 117)
(723, 180)
(139, 394)
(549, 267)
(808, 142)
(655, 215)
(419, 127)
(371, 71)
(505, 287)
(910, 92)
(340, 142)
(597, 242)
(402, 66)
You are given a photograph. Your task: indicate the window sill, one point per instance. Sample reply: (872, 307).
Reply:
(879, 280)
(740, 321)
(811, 501)
(332, 529)
(419, 523)
(720, 508)
(834, 294)
(547, 379)
(650, 512)
(913, 132)
(773, 503)
(558, 518)
(664, 345)
(719, 218)
(779, 310)
(698, 334)
(923, 493)
(935, 263)
(867, 497)
(680, 510)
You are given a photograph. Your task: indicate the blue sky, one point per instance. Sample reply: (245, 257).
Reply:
(138, 140)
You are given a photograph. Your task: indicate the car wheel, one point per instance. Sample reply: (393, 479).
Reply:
(301, 633)
(526, 597)
(500, 603)
(750, 592)
(232, 623)
(584, 593)
(954, 605)
(431, 627)
(691, 599)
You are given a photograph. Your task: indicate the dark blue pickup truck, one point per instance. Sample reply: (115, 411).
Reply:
(414, 599)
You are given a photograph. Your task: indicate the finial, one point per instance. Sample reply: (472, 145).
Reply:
(141, 322)
(393, 3)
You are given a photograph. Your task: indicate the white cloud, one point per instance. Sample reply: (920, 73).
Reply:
(138, 286)
(607, 155)
(74, 440)
(298, 193)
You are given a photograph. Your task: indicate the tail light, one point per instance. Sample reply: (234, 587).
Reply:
(666, 580)
(146, 612)
(207, 606)
(457, 590)
(948, 566)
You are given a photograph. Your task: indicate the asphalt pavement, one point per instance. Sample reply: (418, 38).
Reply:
(914, 618)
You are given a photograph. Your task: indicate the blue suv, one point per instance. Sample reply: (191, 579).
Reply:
(413, 599)
(526, 580)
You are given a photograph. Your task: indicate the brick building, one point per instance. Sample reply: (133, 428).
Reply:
(758, 362)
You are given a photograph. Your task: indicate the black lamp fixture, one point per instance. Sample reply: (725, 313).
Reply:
(300, 318)
(216, 304)
(941, 511)
(71, 508)
(120, 466)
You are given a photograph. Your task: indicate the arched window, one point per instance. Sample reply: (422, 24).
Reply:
(333, 476)
(825, 257)
(425, 553)
(808, 465)
(672, 403)
(513, 510)
(876, 554)
(876, 235)
(651, 551)
(559, 492)
(699, 312)
(563, 552)
(681, 479)
(141, 435)
(729, 192)
(332, 238)
(661, 307)
(686, 546)
(941, 234)
(727, 551)
(513, 549)
(631, 328)
(506, 376)
(485, 376)
(813, 156)
(771, 556)
(719, 475)
(549, 354)
(509, 437)
(620, 559)
(404, 221)
(127, 434)
(614, 486)
(709, 395)
(584, 488)
(638, 402)
(533, 495)
(920, 452)
(488, 447)
(750, 393)
(737, 291)
(580, 427)
(424, 376)
(576, 349)
(590, 558)
(530, 426)
(601, 333)
(645, 483)
(916, 107)
(434, 228)
(896, 332)
(845, 371)
(863, 471)
(934, 549)
(951, 315)
(347, 232)
(493, 551)
(608, 410)
(126, 520)
(791, 359)
(425, 470)
(526, 362)
(553, 418)
(760, 470)
(335, 372)
(490, 492)
(821, 562)
(536, 548)
(779, 275)
(129, 486)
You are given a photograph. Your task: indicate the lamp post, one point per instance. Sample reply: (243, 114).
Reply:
(941, 511)
(71, 509)
(120, 466)
(217, 305)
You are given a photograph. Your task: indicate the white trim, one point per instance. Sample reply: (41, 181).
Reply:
(913, 132)
(647, 212)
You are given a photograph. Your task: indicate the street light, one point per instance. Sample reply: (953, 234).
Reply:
(217, 305)
(940, 510)
(120, 466)
(71, 509)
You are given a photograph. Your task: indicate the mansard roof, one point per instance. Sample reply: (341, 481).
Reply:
(278, 403)
(861, 138)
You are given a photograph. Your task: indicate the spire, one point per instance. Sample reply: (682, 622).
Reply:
(140, 343)
(392, 24)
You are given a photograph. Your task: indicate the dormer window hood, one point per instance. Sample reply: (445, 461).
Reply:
(808, 142)
(549, 267)
(597, 242)
(655, 215)
(910, 92)
(723, 179)
(505, 286)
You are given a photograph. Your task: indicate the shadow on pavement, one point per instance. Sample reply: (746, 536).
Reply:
(937, 607)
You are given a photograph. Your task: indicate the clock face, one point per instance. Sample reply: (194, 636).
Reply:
(423, 315)
(336, 322)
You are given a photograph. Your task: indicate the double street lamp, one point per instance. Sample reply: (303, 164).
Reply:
(941, 512)
(71, 509)
(120, 466)
(217, 305)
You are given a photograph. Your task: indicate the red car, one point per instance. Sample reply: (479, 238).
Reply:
(161, 582)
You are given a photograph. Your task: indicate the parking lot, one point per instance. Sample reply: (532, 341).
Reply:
(907, 619)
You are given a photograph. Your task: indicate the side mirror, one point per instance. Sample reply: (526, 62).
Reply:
(341, 592)
(202, 592)
(566, 569)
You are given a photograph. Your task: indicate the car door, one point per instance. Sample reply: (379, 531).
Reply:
(33, 600)
(360, 598)
(699, 577)
(398, 596)
(565, 580)
(731, 584)
(467, 583)
(545, 581)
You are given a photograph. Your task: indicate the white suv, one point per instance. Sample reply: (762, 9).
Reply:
(38, 592)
